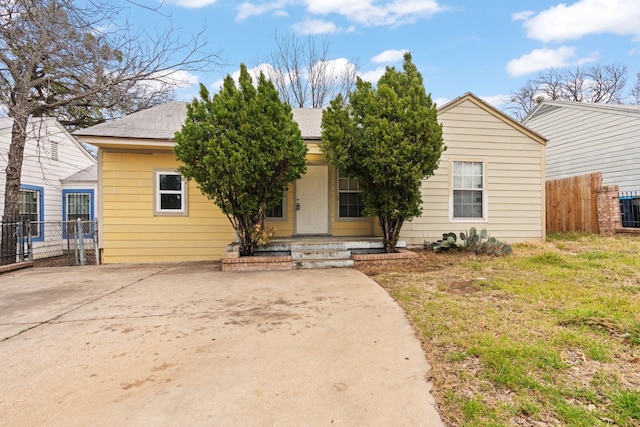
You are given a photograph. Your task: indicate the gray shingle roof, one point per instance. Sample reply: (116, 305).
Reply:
(88, 174)
(309, 121)
(163, 121)
(159, 122)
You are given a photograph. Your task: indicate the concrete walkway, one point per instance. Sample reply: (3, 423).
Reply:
(186, 344)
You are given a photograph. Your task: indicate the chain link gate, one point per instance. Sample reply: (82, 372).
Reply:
(50, 243)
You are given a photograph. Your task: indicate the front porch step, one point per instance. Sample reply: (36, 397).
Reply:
(314, 254)
(317, 246)
(323, 263)
(320, 255)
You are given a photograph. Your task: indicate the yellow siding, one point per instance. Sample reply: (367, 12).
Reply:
(514, 179)
(514, 171)
(284, 227)
(131, 232)
(345, 227)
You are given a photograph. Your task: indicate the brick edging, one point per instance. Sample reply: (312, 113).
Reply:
(15, 266)
(402, 254)
(232, 261)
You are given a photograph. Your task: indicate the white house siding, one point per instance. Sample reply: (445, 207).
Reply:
(514, 177)
(40, 170)
(588, 138)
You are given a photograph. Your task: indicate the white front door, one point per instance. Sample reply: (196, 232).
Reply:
(312, 201)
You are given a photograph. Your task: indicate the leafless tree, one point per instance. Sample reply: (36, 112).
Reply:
(62, 56)
(597, 84)
(605, 83)
(304, 74)
(524, 100)
(635, 91)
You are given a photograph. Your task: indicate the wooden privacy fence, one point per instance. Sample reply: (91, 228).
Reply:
(572, 204)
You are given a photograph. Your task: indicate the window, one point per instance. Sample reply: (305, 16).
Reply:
(277, 212)
(170, 194)
(77, 204)
(468, 189)
(30, 209)
(349, 198)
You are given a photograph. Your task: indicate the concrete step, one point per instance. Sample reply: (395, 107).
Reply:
(322, 263)
(313, 254)
(316, 246)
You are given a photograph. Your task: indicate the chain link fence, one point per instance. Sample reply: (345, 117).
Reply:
(50, 243)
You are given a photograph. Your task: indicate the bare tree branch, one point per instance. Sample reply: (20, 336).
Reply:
(597, 84)
(635, 91)
(79, 62)
(304, 74)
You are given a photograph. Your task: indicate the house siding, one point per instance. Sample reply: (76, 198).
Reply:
(345, 226)
(131, 232)
(43, 170)
(513, 171)
(586, 139)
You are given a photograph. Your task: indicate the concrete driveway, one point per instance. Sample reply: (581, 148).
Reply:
(186, 344)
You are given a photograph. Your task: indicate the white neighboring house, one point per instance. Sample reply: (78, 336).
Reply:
(58, 180)
(585, 138)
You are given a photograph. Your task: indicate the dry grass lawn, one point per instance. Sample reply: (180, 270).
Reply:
(549, 335)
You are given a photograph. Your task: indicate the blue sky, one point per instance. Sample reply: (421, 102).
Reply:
(486, 47)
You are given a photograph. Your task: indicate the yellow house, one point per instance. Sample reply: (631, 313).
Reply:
(491, 176)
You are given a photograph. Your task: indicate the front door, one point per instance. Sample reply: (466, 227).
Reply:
(312, 201)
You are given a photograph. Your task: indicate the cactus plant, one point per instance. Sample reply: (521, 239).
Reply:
(472, 241)
(447, 242)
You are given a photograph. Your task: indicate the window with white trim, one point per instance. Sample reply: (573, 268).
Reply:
(468, 190)
(277, 212)
(170, 193)
(349, 197)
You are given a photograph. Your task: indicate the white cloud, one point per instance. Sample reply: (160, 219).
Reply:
(522, 16)
(497, 100)
(180, 79)
(337, 68)
(365, 12)
(372, 75)
(441, 101)
(560, 23)
(169, 79)
(315, 26)
(253, 72)
(370, 12)
(389, 56)
(542, 59)
(192, 4)
(247, 10)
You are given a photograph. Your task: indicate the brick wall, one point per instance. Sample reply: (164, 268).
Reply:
(231, 261)
(608, 209)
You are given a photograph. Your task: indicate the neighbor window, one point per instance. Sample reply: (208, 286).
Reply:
(77, 204)
(468, 189)
(170, 195)
(349, 197)
(30, 209)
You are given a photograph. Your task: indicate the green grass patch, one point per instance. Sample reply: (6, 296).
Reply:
(547, 335)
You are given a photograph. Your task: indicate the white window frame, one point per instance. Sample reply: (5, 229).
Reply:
(283, 203)
(483, 189)
(339, 176)
(157, 193)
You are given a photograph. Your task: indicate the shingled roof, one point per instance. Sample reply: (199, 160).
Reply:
(159, 122)
(163, 121)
